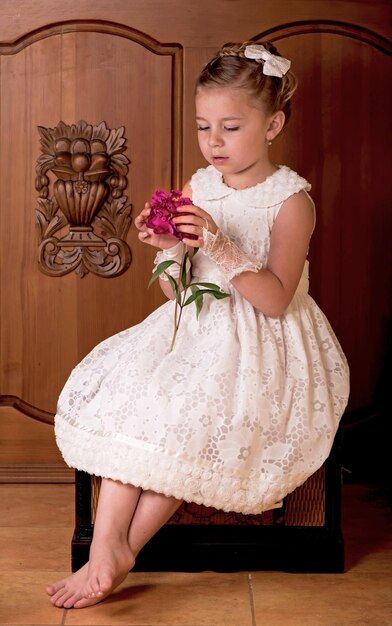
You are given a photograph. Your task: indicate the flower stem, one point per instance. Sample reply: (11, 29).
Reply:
(177, 321)
(173, 339)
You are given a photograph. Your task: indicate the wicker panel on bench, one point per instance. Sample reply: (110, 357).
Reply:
(304, 507)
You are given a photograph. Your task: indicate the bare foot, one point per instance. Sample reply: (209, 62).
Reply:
(108, 566)
(92, 583)
(65, 592)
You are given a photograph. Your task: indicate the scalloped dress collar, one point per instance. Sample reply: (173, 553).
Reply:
(273, 191)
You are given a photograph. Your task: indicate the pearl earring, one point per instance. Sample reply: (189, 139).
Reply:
(270, 143)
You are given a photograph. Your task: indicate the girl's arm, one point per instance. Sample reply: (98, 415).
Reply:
(271, 289)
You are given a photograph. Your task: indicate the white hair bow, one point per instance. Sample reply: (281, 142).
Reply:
(273, 65)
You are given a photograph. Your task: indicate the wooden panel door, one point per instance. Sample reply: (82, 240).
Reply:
(95, 73)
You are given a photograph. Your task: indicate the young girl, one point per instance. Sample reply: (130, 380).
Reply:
(247, 404)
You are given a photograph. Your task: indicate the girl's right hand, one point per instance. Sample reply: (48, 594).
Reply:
(147, 235)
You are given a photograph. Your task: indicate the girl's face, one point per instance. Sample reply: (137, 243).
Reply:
(232, 135)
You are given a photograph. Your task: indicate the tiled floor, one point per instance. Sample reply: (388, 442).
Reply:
(35, 530)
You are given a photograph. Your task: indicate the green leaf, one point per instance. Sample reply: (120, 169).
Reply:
(196, 295)
(160, 269)
(198, 301)
(183, 274)
(208, 286)
(174, 287)
(219, 295)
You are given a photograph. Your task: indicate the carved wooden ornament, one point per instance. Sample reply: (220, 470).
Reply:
(84, 222)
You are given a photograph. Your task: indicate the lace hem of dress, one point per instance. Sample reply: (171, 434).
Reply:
(143, 466)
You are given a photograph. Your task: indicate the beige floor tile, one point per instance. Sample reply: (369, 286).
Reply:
(349, 599)
(37, 505)
(172, 599)
(24, 601)
(36, 523)
(25, 548)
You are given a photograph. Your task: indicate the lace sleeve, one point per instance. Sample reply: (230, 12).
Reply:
(227, 255)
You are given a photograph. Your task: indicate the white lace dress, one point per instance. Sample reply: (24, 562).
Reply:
(242, 411)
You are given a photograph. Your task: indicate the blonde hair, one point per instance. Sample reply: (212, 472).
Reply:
(230, 68)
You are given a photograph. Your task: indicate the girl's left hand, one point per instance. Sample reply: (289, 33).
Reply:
(193, 223)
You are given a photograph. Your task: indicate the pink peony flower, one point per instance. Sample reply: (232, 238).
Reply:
(164, 206)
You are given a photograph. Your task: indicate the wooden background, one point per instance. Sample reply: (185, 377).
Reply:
(97, 61)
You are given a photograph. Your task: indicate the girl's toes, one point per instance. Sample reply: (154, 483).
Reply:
(68, 604)
(90, 589)
(105, 585)
(82, 603)
(64, 599)
(97, 586)
(54, 588)
(57, 597)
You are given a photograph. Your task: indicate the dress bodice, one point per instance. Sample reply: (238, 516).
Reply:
(245, 215)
